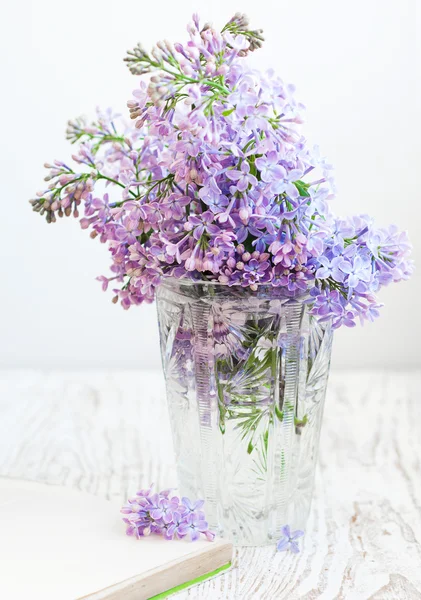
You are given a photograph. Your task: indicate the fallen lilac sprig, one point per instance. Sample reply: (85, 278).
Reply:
(150, 512)
(288, 540)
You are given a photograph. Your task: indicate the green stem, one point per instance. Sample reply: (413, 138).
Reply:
(101, 176)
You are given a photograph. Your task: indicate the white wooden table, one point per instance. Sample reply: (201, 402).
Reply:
(108, 434)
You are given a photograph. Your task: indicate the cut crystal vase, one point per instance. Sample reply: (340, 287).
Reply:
(246, 375)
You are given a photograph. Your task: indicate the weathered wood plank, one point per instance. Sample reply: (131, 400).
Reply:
(108, 433)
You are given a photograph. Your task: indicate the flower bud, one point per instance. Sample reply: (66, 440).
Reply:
(210, 66)
(222, 70)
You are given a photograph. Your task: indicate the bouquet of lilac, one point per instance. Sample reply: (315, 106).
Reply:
(215, 182)
(166, 515)
(213, 202)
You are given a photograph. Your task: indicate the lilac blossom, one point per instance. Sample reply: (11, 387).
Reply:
(357, 270)
(177, 527)
(242, 177)
(214, 181)
(269, 167)
(191, 507)
(330, 268)
(285, 182)
(161, 513)
(289, 540)
(329, 304)
(194, 525)
(255, 272)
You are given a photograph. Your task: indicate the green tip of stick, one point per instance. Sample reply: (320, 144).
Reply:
(187, 584)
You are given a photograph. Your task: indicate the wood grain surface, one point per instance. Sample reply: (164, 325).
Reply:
(108, 433)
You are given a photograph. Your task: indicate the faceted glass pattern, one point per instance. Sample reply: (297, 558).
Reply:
(246, 375)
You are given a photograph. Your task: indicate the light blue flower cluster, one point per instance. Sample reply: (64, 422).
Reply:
(215, 182)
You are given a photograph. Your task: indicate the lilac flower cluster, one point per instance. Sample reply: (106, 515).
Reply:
(166, 515)
(215, 182)
(289, 539)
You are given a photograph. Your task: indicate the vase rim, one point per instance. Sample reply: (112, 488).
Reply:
(280, 291)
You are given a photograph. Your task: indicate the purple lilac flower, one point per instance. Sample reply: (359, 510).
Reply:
(194, 524)
(357, 270)
(285, 183)
(201, 224)
(330, 268)
(269, 167)
(215, 162)
(255, 272)
(165, 508)
(242, 177)
(191, 507)
(177, 527)
(288, 541)
(328, 304)
(166, 515)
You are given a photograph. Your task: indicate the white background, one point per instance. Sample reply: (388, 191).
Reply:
(356, 68)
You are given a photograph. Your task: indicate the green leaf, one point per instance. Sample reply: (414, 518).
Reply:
(302, 188)
(226, 113)
(279, 413)
(301, 422)
(250, 447)
(266, 439)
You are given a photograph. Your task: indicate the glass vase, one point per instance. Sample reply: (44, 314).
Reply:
(246, 375)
